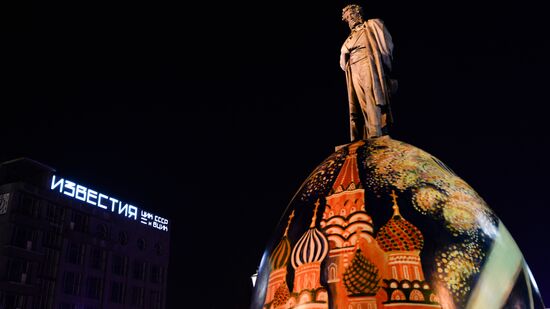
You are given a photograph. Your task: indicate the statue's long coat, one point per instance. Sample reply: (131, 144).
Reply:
(371, 43)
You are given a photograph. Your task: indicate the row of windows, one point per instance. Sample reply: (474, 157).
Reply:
(48, 268)
(46, 298)
(75, 306)
(332, 277)
(21, 271)
(31, 207)
(26, 238)
(119, 266)
(12, 301)
(140, 269)
(93, 288)
(17, 270)
(79, 222)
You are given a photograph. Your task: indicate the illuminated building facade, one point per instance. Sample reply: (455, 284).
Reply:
(64, 249)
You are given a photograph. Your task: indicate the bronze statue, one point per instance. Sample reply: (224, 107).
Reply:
(366, 57)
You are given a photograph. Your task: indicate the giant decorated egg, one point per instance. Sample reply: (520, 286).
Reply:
(383, 224)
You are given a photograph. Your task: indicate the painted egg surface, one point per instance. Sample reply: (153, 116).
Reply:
(383, 224)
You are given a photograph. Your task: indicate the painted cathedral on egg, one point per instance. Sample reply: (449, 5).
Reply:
(361, 269)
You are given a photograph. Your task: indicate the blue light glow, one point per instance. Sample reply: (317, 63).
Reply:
(100, 200)
(101, 197)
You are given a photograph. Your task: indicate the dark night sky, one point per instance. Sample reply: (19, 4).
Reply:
(212, 114)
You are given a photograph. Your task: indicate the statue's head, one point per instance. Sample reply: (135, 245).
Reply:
(352, 14)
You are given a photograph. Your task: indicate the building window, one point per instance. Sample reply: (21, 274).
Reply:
(159, 248)
(139, 270)
(4, 203)
(406, 273)
(74, 254)
(138, 296)
(9, 300)
(44, 300)
(102, 231)
(71, 283)
(119, 265)
(79, 222)
(93, 287)
(416, 273)
(141, 244)
(156, 274)
(48, 268)
(54, 213)
(29, 206)
(394, 272)
(52, 238)
(67, 306)
(16, 270)
(123, 238)
(50, 211)
(155, 301)
(332, 273)
(23, 237)
(97, 258)
(117, 292)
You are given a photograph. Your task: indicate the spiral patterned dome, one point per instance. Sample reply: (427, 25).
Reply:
(399, 234)
(361, 277)
(311, 247)
(282, 294)
(281, 254)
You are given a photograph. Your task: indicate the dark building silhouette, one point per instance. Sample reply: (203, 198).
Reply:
(70, 251)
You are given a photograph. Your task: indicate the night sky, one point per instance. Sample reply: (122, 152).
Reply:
(212, 114)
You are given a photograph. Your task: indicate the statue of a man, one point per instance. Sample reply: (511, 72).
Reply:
(366, 57)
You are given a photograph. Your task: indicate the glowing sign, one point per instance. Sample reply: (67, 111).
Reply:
(108, 203)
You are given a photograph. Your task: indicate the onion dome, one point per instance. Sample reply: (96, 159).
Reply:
(312, 246)
(361, 277)
(281, 254)
(399, 234)
(282, 294)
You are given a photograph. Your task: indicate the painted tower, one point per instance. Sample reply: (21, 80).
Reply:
(354, 258)
(310, 250)
(405, 283)
(277, 289)
(306, 258)
(365, 271)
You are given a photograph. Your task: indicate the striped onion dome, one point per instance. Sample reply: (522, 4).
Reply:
(311, 247)
(281, 254)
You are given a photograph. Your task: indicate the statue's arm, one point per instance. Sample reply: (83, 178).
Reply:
(344, 56)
